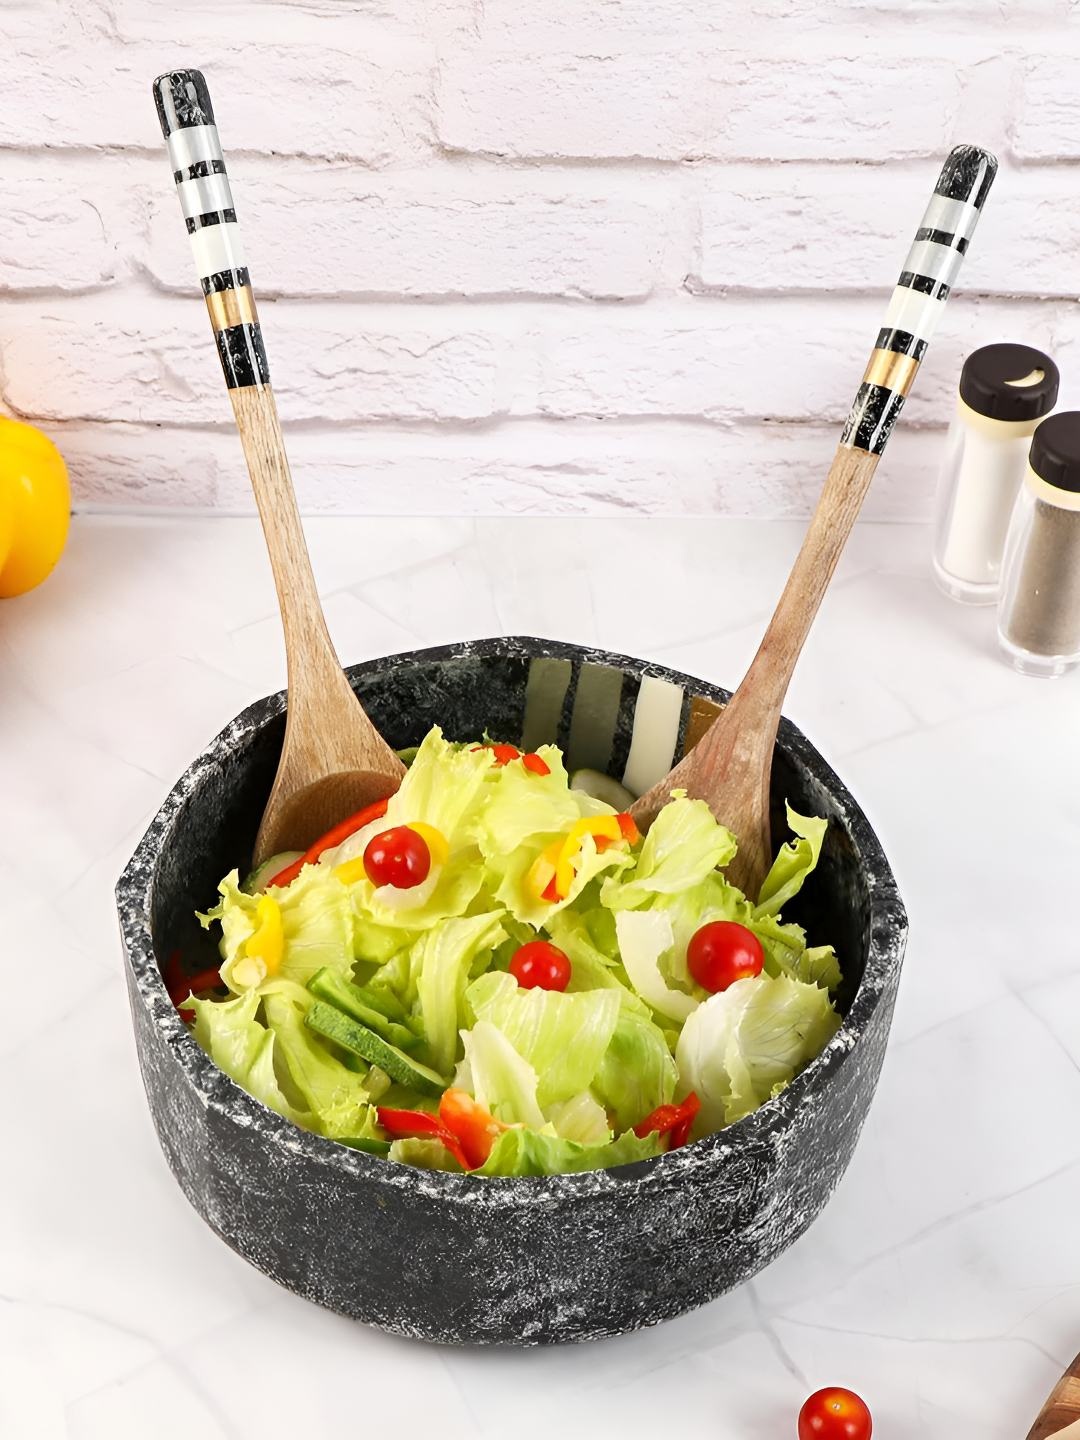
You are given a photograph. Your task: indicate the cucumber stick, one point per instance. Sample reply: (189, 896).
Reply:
(331, 1024)
(328, 985)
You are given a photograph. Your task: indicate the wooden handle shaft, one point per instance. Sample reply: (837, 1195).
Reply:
(306, 634)
(838, 506)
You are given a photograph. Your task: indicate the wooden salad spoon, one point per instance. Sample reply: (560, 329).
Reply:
(731, 765)
(333, 760)
(1060, 1416)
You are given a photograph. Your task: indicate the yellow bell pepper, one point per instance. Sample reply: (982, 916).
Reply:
(267, 941)
(554, 869)
(35, 506)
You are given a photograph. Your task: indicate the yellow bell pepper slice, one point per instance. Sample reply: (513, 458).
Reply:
(542, 870)
(350, 871)
(435, 840)
(600, 827)
(267, 941)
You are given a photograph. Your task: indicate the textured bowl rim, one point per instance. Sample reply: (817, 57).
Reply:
(215, 1090)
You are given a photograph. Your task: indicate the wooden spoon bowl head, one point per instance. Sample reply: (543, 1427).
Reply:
(296, 820)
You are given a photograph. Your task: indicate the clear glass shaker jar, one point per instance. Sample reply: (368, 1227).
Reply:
(1039, 608)
(1005, 391)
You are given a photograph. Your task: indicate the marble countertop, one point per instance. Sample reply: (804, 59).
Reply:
(942, 1282)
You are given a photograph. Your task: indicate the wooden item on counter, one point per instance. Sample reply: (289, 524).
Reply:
(333, 760)
(1060, 1416)
(731, 765)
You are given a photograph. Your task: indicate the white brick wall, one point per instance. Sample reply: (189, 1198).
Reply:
(582, 256)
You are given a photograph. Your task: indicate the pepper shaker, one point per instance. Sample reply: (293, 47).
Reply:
(1039, 610)
(1005, 390)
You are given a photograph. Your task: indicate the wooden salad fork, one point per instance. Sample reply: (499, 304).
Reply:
(1060, 1416)
(333, 760)
(730, 767)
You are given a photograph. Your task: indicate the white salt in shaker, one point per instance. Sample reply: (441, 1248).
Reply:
(1005, 390)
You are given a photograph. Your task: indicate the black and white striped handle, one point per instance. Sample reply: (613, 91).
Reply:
(202, 183)
(926, 280)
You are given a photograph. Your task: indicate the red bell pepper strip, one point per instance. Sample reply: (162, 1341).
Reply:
(194, 985)
(419, 1124)
(536, 764)
(674, 1121)
(329, 841)
(474, 1126)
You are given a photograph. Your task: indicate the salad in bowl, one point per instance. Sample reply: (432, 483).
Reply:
(494, 973)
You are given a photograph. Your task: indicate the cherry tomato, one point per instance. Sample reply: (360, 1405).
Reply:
(537, 764)
(835, 1414)
(398, 857)
(722, 952)
(539, 965)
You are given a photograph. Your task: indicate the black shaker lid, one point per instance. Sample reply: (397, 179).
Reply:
(988, 382)
(1055, 451)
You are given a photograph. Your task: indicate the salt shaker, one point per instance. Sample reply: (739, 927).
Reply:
(1005, 390)
(1039, 609)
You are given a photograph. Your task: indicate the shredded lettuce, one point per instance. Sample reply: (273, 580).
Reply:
(238, 1044)
(793, 864)
(444, 959)
(316, 918)
(529, 1152)
(569, 1073)
(564, 1037)
(745, 1044)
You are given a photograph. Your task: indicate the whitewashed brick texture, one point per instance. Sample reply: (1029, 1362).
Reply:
(582, 257)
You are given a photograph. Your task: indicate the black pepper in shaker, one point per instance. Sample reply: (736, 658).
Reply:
(1039, 610)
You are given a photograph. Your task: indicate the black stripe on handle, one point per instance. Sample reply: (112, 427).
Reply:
(182, 100)
(243, 356)
(967, 174)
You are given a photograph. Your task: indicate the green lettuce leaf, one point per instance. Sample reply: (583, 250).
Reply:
(685, 843)
(746, 1043)
(445, 959)
(316, 918)
(786, 953)
(425, 1154)
(337, 1097)
(523, 809)
(582, 1118)
(527, 1152)
(563, 1036)
(500, 1079)
(444, 787)
(637, 1072)
(795, 861)
(590, 967)
(645, 936)
(238, 1044)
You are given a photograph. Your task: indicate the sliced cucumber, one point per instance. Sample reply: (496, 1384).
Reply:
(331, 1024)
(256, 881)
(373, 1147)
(602, 787)
(328, 985)
(386, 1003)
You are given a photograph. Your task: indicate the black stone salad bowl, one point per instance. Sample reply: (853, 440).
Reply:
(456, 1258)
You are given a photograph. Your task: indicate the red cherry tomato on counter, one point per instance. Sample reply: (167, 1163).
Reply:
(539, 965)
(835, 1414)
(398, 857)
(722, 952)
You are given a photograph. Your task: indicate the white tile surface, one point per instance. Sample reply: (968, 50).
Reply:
(942, 1282)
